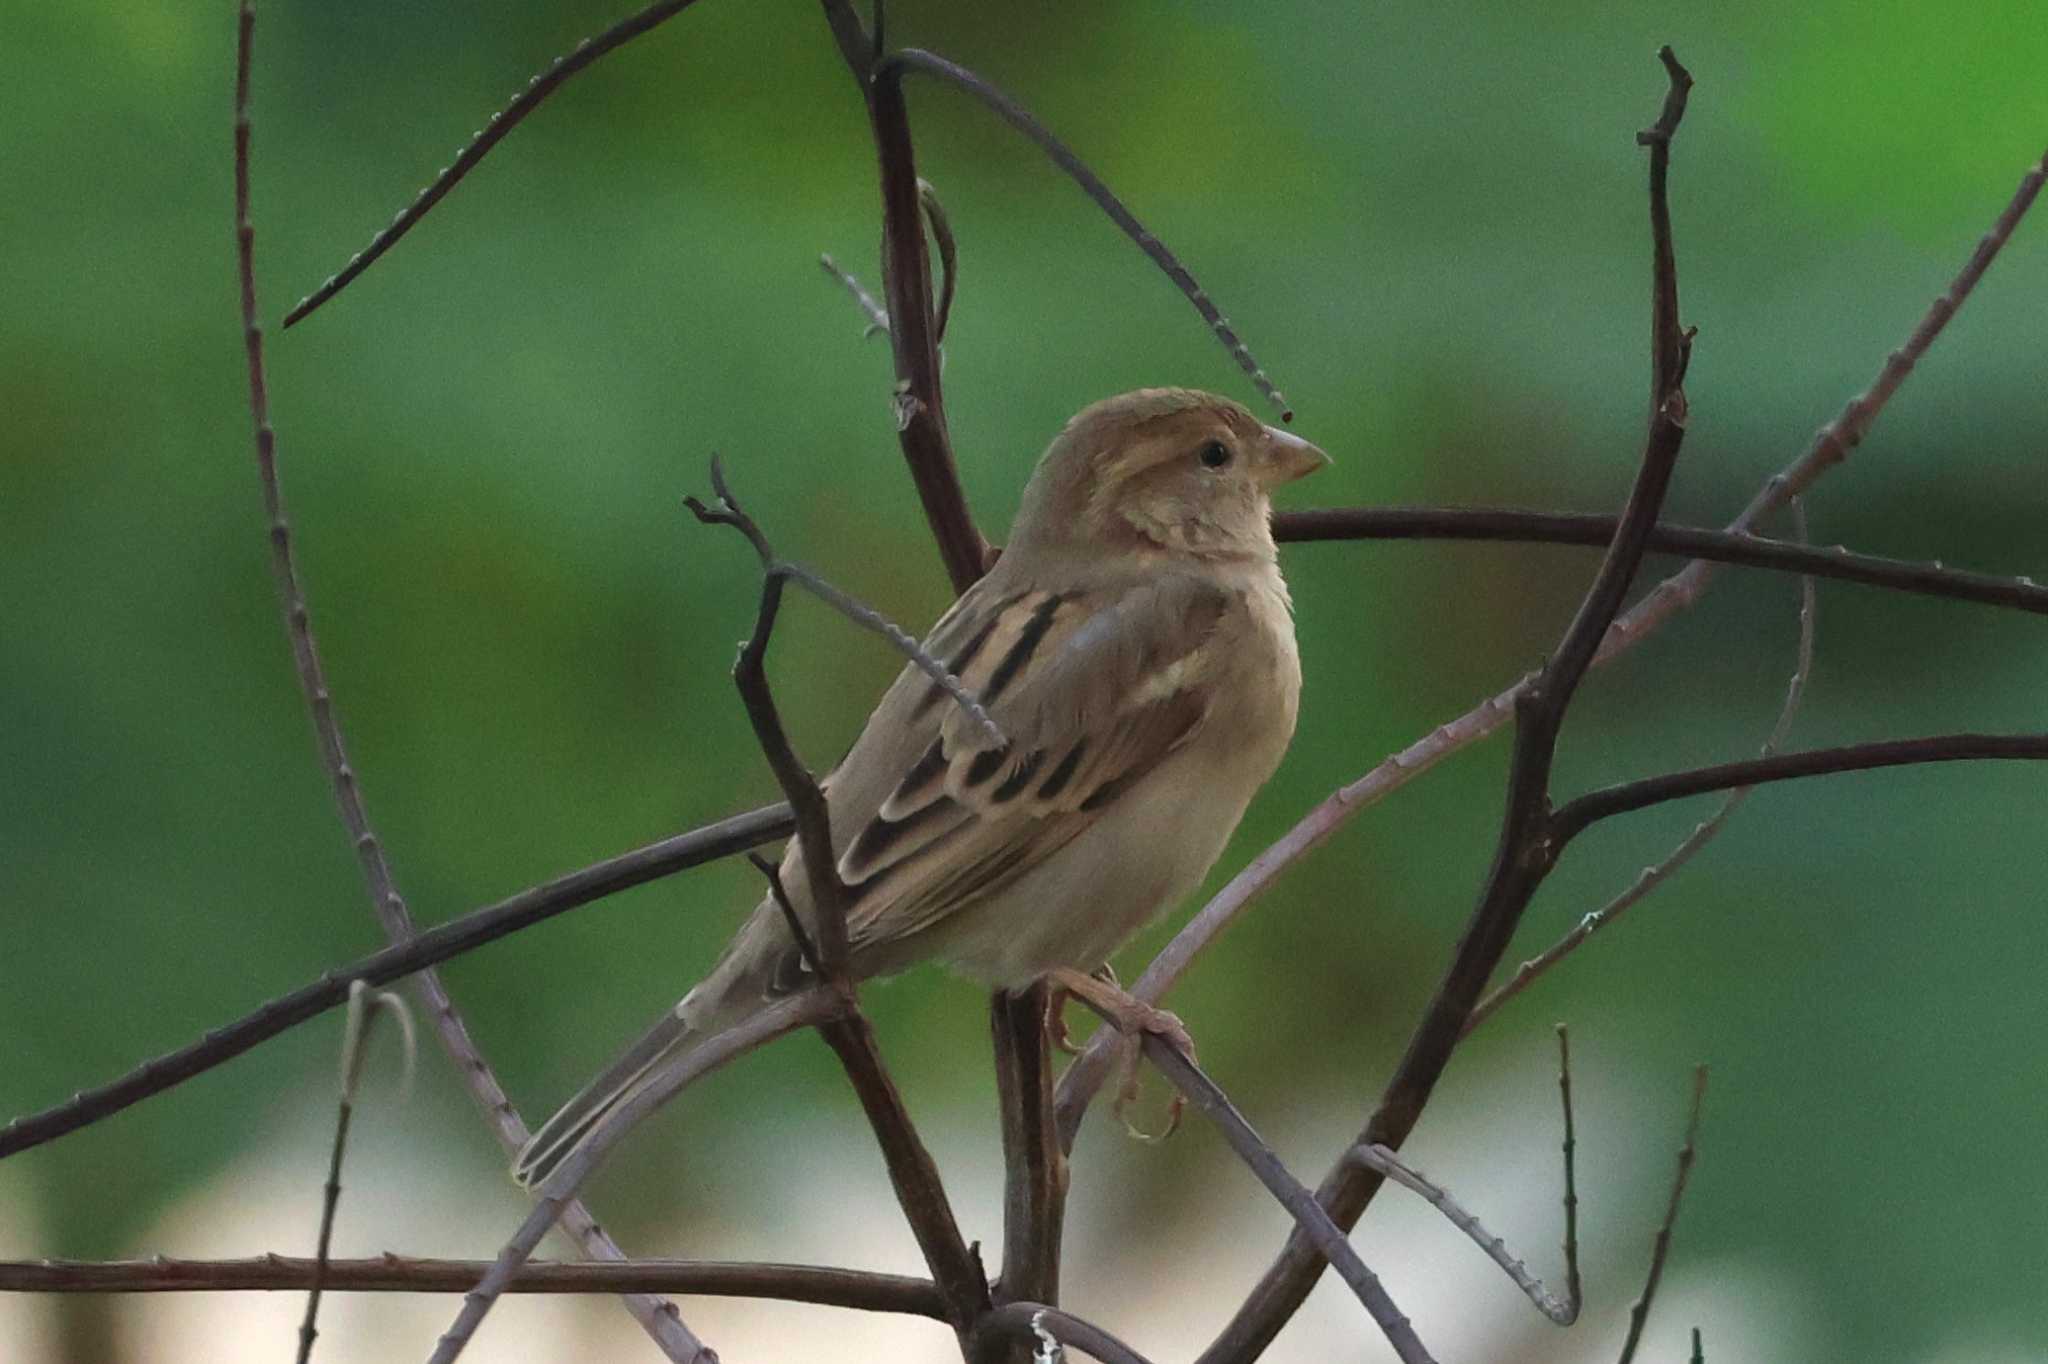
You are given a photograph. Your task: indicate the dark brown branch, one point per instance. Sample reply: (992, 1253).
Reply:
(504, 121)
(1573, 818)
(1728, 547)
(907, 293)
(911, 1168)
(1524, 852)
(658, 1319)
(736, 834)
(1677, 592)
(1702, 833)
(827, 1287)
(1020, 118)
(1030, 1323)
(1035, 1169)
(1639, 1310)
(914, 327)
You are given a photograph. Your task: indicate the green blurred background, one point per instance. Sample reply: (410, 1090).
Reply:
(1428, 224)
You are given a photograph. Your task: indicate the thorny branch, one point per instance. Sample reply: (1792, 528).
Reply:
(658, 1318)
(388, 1273)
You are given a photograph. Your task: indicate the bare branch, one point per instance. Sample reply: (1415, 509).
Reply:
(1526, 847)
(2020, 593)
(1639, 1310)
(658, 1319)
(949, 256)
(1677, 592)
(1033, 1321)
(911, 1168)
(775, 1020)
(1561, 1311)
(480, 143)
(363, 1006)
(1702, 833)
(770, 824)
(1311, 1218)
(1035, 1169)
(878, 318)
(1020, 118)
(859, 1289)
(1574, 817)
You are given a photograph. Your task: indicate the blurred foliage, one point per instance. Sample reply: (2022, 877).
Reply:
(1429, 224)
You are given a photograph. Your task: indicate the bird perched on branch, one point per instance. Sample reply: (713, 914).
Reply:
(1134, 646)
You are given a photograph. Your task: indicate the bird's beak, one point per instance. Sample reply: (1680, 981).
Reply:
(1289, 457)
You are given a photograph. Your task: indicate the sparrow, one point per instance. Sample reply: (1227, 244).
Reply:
(1134, 645)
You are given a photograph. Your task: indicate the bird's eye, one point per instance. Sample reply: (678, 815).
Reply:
(1214, 455)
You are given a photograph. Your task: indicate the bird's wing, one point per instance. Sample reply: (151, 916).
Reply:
(1090, 688)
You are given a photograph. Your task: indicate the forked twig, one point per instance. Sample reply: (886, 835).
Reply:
(659, 1319)
(537, 90)
(1561, 1311)
(364, 1004)
(1702, 833)
(1639, 1310)
(912, 1171)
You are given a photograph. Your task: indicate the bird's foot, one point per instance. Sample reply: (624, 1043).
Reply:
(1133, 1018)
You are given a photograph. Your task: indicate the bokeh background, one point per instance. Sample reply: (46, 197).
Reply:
(1429, 223)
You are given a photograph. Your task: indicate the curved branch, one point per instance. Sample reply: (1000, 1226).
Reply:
(1020, 118)
(504, 121)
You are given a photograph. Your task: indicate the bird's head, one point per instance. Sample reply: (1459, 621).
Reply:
(1168, 470)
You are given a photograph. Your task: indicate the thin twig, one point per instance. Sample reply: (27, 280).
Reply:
(1504, 524)
(1702, 833)
(1639, 1310)
(1312, 1220)
(949, 256)
(773, 1021)
(877, 316)
(388, 1273)
(1034, 1321)
(659, 1319)
(364, 1004)
(1561, 1311)
(770, 824)
(1020, 118)
(480, 143)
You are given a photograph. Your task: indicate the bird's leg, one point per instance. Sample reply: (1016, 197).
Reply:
(1132, 1018)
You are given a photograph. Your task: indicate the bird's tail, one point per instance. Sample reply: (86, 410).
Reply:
(573, 1125)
